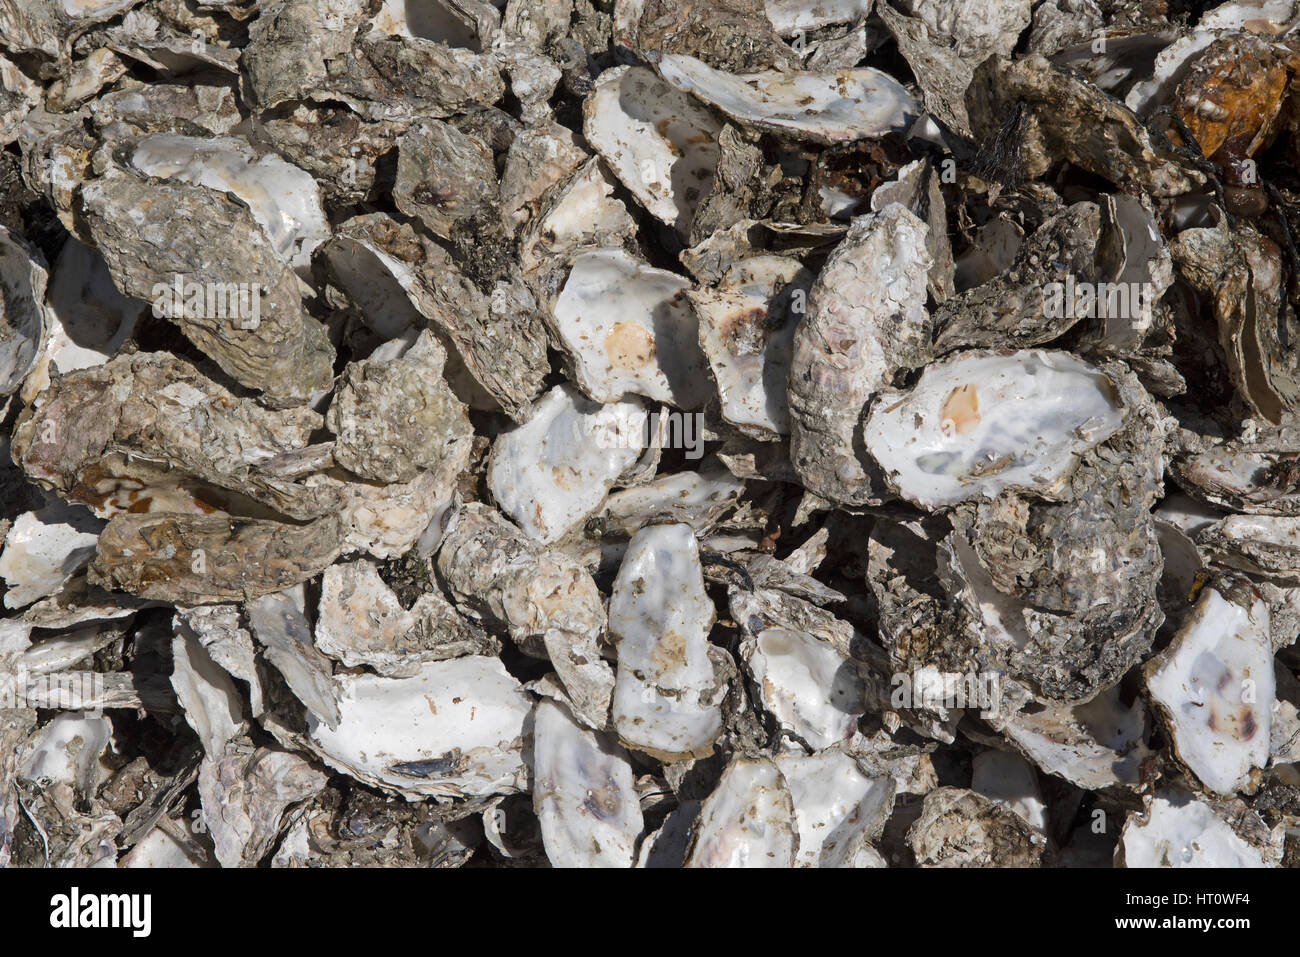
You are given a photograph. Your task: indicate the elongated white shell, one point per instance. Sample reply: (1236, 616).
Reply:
(584, 793)
(748, 820)
(1215, 685)
(660, 143)
(835, 107)
(455, 728)
(554, 470)
(629, 329)
(659, 618)
(976, 425)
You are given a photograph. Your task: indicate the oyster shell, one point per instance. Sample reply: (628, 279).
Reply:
(396, 419)
(147, 230)
(1214, 686)
(849, 347)
(823, 107)
(976, 425)
(838, 809)
(748, 820)
(666, 692)
(583, 792)
(283, 199)
(537, 479)
(747, 330)
(628, 328)
(660, 143)
(815, 694)
(24, 319)
(245, 793)
(454, 728)
(204, 559)
(959, 828)
(1181, 831)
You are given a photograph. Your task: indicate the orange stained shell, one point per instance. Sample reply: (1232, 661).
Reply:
(1233, 93)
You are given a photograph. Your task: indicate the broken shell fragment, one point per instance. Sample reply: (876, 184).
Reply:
(548, 604)
(1263, 545)
(44, 549)
(1093, 745)
(360, 622)
(24, 320)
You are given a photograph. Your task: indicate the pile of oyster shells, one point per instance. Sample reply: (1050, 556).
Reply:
(649, 433)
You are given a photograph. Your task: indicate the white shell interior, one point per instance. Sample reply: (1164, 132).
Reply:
(834, 107)
(660, 143)
(630, 329)
(455, 728)
(979, 424)
(1216, 684)
(554, 470)
(748, 820)
(807, 685)
(584, 793)
(747, 328)
(659, 618)
(837, 807)
(1185, 833)
(44, 549)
